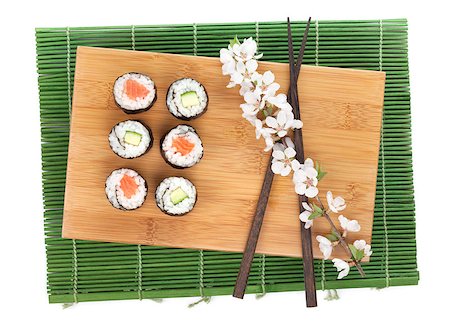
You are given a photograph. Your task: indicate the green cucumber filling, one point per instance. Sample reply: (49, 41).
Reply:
(132, 138)
(178, 195)
(190, 99)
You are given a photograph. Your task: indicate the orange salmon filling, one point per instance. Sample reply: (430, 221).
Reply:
(182, 145)
(135, 89)
(128, 186)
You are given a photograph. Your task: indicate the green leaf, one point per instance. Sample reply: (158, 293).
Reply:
(353, 250)
(317, 209)
(314, 215)
(332, 237)
(359, 255)
(336, 235)
(321, 175)
(234, 41)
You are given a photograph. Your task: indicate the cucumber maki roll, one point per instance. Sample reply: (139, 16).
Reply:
(126, 189)
(130, 139)
(181, 147)
(134, 92)
(187, 99)
(176, 196)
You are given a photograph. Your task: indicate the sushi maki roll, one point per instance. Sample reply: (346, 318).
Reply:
(134, 92)
(126, 189)
(130, 139)
(176, 196)
(181, 147)
(187, 99)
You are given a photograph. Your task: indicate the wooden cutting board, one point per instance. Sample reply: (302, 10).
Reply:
(341, 111)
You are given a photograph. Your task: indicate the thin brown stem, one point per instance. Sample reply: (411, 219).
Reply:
(342, 241)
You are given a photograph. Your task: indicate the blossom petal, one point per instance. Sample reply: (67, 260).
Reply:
(309, 163)
(225, 56)
(272, 89)
(322, 239)
(289, 142)
(342, 266)
(295, 165)
(279, 147)
(300, 188)
(281, 118)
(268, 77)
(300, 176)
(271, 122)
(251, 65)
(278, 155)
(367, 250)
(269, 142)
(311, 192)
(277, 167)
(289, 152)
(304, 216)
(237, 78)
(343, 221)
(310, 172)
(306, 206)
(249, 109)
(240, 67)
(286, 170)
(297, 124)
(326, 250)
(282, 133)
(308, 224)
(359, 244)
(353, 226)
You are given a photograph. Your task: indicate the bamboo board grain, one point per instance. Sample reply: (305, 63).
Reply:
(341, 111)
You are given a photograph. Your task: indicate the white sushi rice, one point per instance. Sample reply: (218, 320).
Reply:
(165, 189)
(176, 158)
(116, 195)
(180, 87)
(126, 150)
(134, 104)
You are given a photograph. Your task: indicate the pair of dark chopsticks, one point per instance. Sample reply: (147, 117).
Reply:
(249, 251)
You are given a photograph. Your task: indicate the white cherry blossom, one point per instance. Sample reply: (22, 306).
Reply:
(349, 225)
(363, 246)
(304, 216)
(325, 246)
(283, 161)
(305, 179)
(342, 267)
(335, 204)
(269, 142)
(246, 50)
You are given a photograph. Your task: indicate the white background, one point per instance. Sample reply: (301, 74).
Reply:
(22, 267)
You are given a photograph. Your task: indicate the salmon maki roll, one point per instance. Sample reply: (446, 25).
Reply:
(181, 147)
(134, 92)
(126, 189)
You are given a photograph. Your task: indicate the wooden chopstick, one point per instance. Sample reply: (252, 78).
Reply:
(250, 247)
(306, 237)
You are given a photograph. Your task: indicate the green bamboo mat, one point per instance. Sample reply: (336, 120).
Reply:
(93, 271)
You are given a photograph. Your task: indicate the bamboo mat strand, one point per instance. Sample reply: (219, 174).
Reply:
(92, 271)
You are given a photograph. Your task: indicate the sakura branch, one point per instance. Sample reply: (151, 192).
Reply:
(271, 115)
